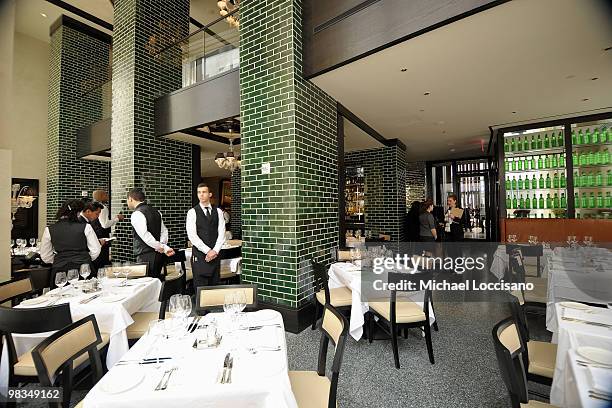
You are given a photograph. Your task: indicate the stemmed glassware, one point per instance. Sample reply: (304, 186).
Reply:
(512, 238)
(73, 277)
(533, 240)
(572, 241)
(116, 268)
(60, 281)
(85, 271)
(32, 242)
(240, 302)
(102, 279)
(588, 241)
(127, 268)
(358, 234)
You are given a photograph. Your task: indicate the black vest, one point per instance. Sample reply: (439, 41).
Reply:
(70, 244)
(100, 232)
(207, 227)
(154, 222)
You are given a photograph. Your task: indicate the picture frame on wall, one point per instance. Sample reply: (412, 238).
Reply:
(226, 193)
(24, 208)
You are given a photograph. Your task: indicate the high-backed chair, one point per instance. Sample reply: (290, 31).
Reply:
(55, 357)
(344, 255)
(15, 290)
(138, 270)
(340, 298)
(170, 267)
(213, 297)
(171, 286)
(385, 237)
(529, 251)
(538, 296)
(394, 315)
(40, 277)
(509, 349)
(539, 357)
(313, 389)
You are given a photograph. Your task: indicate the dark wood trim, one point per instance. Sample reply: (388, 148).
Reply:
(75, 10)
(209, 136)
(196, 22)
(341, 179)
(368, 129)
(196, 172)
(295, 319)
(346, 14)
(556, 122)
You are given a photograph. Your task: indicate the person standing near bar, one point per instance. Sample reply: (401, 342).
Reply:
(206, 231)
(456, 223)
(150, 233)
(427, 227)
(69, 242)
(103, 225)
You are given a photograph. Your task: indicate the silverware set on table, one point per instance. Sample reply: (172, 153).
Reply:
(600, 395)
(89, 299)
(163, 382)
(228, 364)
(598, 324)
(595, 394)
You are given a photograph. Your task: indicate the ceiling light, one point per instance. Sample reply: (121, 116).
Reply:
(427, 93)
(404, 69)
(608, 49)
(570, 77)
(421, 110)
(585, 99)
(452, 150)
(514, 112)
(44, 15)
(594, 79)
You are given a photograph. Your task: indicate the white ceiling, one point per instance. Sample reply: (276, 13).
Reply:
(535, 58)
(30, 21)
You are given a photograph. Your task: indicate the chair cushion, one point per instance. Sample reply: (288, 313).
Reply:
(406, 311)
(225, 272)
(542, 357)
(339, 297)
(141, 324)
(310, 389)
(537, 404)
(25, 364)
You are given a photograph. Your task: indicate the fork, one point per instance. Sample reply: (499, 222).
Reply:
(173, 369)
(161, 381)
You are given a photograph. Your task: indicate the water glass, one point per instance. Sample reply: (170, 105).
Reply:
(32, 242)
(85, 271)
(73, 277)
(228, 303)
(116, 269)
(60, 281)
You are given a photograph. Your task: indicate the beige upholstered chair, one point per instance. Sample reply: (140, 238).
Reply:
(536, 297)
(312, 389)
(340, 298)
(136, 270)
(385, 237)
(509, 349)
(213, 297)
(15, 290)
(60, 352)
(344, 255)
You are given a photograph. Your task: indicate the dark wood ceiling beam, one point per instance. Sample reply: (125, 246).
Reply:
(209, 136)
(75, 10)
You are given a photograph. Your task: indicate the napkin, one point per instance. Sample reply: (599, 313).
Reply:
(600, 379)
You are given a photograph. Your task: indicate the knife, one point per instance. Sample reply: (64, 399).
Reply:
(574, 320)
(90, 299)
(194, 324)
(225, 366)
(228, 380)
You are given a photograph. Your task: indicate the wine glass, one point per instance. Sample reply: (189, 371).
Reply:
(116, 268)
(229, 301)
(32, 241)
(358, 234)
(588, 241)
(241, 302)
(102, 279)
(173, 306)
(60, 281)
(127, 268)
(85, 271)
(73, 277)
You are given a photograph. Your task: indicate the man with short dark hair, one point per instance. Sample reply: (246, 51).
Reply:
(206, 231)
(150, 233)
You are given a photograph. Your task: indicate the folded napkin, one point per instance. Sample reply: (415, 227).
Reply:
(600, 379)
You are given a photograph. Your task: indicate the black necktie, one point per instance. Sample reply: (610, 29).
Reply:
(207, 211)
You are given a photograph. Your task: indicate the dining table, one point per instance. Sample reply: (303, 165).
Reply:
(112, 307)
(347, 274)
(245, 366)
(500, 262)
(229, 254)
(581, 327)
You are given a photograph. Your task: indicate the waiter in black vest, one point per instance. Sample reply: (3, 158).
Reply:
(69, 242)
(150, 233)
(102, 225)
(206, 231)
(91, 214)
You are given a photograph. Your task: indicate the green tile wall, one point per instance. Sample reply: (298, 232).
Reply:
(291, 214)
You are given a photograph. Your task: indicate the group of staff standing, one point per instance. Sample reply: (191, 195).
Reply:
(82, 231)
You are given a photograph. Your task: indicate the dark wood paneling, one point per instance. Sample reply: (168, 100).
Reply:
(205, 102)
(338, 32)
(94, 139)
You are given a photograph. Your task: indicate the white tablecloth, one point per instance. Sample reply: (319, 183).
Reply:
(112, 318)
(578, 380)
(258, 380)
(500, 262)
(345, 274)
(572, 335)
(233, 263)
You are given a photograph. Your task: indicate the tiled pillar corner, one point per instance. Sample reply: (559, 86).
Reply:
(415, 182)
(291, 214)
(162, 168)
(236, 217)
(79, 63)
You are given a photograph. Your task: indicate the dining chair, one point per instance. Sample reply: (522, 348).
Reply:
(344, 255)
(213, 297)
(340, 298)
(539, 357)
(56, 356)
(313, 389)
(180, 258)
(40, 277)
(138, 270)
(172, 285)
(537, 297)
(509, 349)
(385, 237)
(528, 251)
(15, 291)
(394, 316)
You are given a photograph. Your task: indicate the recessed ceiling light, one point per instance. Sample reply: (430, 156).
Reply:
(441, 122)
(427, 93)
(452, 150)
(404, 69)
(444, 131)
(585, 99)
(608, 49)
(594, 79)
(421, 110)
(570, 77)
(44, 15)
(514, 112)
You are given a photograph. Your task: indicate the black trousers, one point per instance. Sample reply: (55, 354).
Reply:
(104, 258)
(205, 273)
(155, 261)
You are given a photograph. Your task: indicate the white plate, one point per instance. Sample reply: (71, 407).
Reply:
(112, 298)
(262, 316)
(35, 301)
(144, 279)
(596, 355)
(575, 305)
(122, 380)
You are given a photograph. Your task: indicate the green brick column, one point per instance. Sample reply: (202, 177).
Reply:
(79, 65)
(162, 168)
(291, 214)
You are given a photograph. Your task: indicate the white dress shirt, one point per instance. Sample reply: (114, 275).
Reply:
(139, 222)
(192, 231)
(104, 218)
(47, 253)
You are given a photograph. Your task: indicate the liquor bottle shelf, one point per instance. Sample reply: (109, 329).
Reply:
(592, 145)
(552, 170)
(587, 166)
(536, 152)
(553, 189)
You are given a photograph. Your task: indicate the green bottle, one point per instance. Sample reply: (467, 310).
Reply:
(548, 181)
(574, 140)
(600, 200)
(584, 201)
(592, 200)
(534, 182)
(508, 201)
(553, 140)
(533, 163)
(522, 160)
(540, 162)
(546, 141)
(513, 183)
(522, 202)
(595, 137)
(560, 141)
(532, 143)
(576, 200)
(548, 201)
(596, 158)
(554, 162)
(547, 162)
(562, 180)
(513, 165)
(582, 158)
(605, 135)
(605, 156)
(519, 183)
(507, 165)
(591, 180)
(527, 202)
(587, 136)
(508, 184)
(575, 159)
(526, 143)
(514, 202)
(556, 201)
(539, 142)
(577, 180)
(541, 202)
(541, 183)
(584, 179)
(609, 178)
(608, 202)
(599, 179)
(590, 158)
(580, 138)
(527, 183)
(556, 180)
(562, 160)
(563, 201)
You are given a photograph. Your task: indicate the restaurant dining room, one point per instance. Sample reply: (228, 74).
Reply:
(305, 203)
